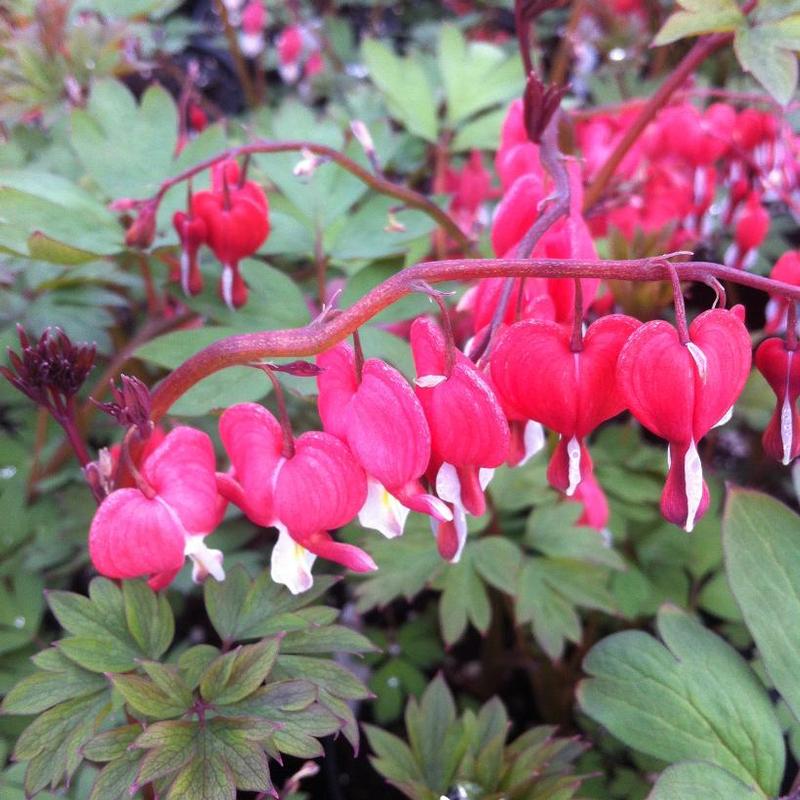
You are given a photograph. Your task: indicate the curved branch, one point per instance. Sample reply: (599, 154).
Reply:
(321, 335)
(409, 197)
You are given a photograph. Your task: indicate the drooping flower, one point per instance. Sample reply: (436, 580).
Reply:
(781, 368)
(192, 235)
(304, 493)
(536, 372)
(236, 216)
(469, 432)
(151, 529)
(752, 224)
(679, 391)
(254, 21)
(787, 270)
(383, 423)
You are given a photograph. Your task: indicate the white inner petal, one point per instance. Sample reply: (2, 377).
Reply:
(533, 439)
(725, 418)
(185, 264)
(291, 563)
(700, 360)
(205, 560)
(693, 478)
(460, 521)
(382, 511)
(787, 432)
(574, 454)
(429, 381)
(485, 475)
(227, 287)
(448, 486)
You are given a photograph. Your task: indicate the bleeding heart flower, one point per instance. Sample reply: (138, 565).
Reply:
(192, 234)
(237, 224)
(786, 269)
(752, 225)
(781, 368)
(595, 505)
(383, 423)
(150, 531)
(305, 493)
(680, 391)
(536, 372)
(469, 432)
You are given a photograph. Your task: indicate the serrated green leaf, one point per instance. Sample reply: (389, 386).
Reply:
(326, 639)
(476, 75)
(553, 618)
(204, 778)
(143, 696)
(774, 66)
(168, 679)
(405, 85)
(693, 697)
(149, 618)
(497, 560)
(44, 689)
(325, 673)
(114, 780)
(195, 661)
(127, 149)
(714, 16)
(552, 530)
(111, 744)
(235, 675)
(170, 745)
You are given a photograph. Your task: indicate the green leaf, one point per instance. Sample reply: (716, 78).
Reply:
(145, 697)
(762, 560)
(127, 149)
(325, 673)
(464, 597)
(235, 675)
(405, 85)
(47, 688)
(168, 679)
(692, 698)
(769, 57)
(497, 560)
(700, 779)
(476, 75)
(149, 618)
(101, 641)
(553, 618)
(114, 780)
(707, 16)
(47, 217)
(53, 742)
(437, 738)
(111, 744)
(552, 530)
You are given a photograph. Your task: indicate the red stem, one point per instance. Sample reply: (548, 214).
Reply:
(791, 326)
(576, 342)
(407, 196)
(283, 414)
(680, 306)
(313, 339)
(702, 49)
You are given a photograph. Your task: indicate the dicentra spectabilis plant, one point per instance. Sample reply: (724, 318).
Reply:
(377, 328)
